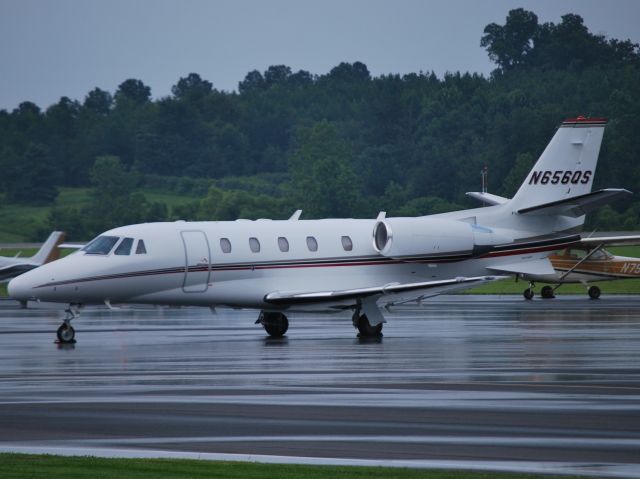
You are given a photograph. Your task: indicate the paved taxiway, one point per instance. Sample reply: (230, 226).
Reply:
(493, 382)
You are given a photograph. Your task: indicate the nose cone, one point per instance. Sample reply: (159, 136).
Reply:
(20, 287)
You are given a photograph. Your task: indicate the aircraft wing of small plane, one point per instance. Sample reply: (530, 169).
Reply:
(72, 245)
(536, 267)
(622, 240)
(577, 205)
(420, 289)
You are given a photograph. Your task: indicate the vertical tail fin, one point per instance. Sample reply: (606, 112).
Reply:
(49, 250)
(567, 165)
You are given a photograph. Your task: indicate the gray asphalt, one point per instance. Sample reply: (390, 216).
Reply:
(475, 382)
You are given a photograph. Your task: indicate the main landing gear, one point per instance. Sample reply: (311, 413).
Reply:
(594, 292)
(528, 293)
(364, 327)
(275, 324)
(66, 334)
(368, 320)
(548, 292)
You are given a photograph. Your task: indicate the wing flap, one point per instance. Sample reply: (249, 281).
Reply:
(301, 297)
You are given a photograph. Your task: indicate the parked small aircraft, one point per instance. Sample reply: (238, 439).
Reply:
(587, 261)
(335, 264)
(10, 267)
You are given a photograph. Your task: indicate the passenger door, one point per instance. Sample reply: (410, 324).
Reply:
(197, 262)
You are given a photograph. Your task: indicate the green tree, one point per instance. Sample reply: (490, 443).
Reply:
(253, 81)
(323, 180)
(522, 167)
(509, 45)
(192, 87)
(132, 92)
(30, 177)
(114, 201)
(98, 101)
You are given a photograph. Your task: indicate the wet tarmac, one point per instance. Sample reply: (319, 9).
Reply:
(460, 381)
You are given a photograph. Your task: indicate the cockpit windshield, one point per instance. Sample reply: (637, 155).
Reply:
(101, 245)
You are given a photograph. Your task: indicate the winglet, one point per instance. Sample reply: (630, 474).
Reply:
(295, 216)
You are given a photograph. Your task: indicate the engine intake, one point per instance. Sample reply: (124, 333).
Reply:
(407, 238)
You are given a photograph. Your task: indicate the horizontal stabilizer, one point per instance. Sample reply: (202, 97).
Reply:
(487, 198)
(577, 205)
(537, 267)
(293, 297)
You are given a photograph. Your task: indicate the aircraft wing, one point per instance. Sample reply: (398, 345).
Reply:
(622, 240)
(577, 205)
(421, 289)
(72, 245)
(10, 271)
(537, 267)
(487, 198)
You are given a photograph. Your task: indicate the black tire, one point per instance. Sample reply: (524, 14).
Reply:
(275, 324)
(66, 333)
(594, 292)
(528, 294)
(547, 292)
(366, 330)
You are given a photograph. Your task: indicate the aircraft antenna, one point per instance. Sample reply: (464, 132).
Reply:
(483, 174)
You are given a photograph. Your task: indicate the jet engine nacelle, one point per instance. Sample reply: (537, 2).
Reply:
(414, 237)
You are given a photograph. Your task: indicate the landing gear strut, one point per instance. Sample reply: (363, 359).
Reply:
(66, 334)
(528, 293)
(275, 324)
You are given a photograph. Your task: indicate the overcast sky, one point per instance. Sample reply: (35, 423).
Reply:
(54, 48)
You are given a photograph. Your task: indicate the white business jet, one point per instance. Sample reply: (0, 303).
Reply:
(10, 267)
(279, 267)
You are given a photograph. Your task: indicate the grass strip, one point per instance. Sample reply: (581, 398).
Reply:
(14, 466)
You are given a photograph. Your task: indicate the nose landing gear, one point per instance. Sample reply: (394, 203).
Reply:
(66, 334)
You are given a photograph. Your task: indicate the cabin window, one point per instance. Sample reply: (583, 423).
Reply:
(347, 243)
(254, 244)
(312, 244)
(124, 248)
(225, 245)
(141, 249)
(283, 244)
(101, 245)
(577, 253)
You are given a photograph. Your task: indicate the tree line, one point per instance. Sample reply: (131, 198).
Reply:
(343, 143)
